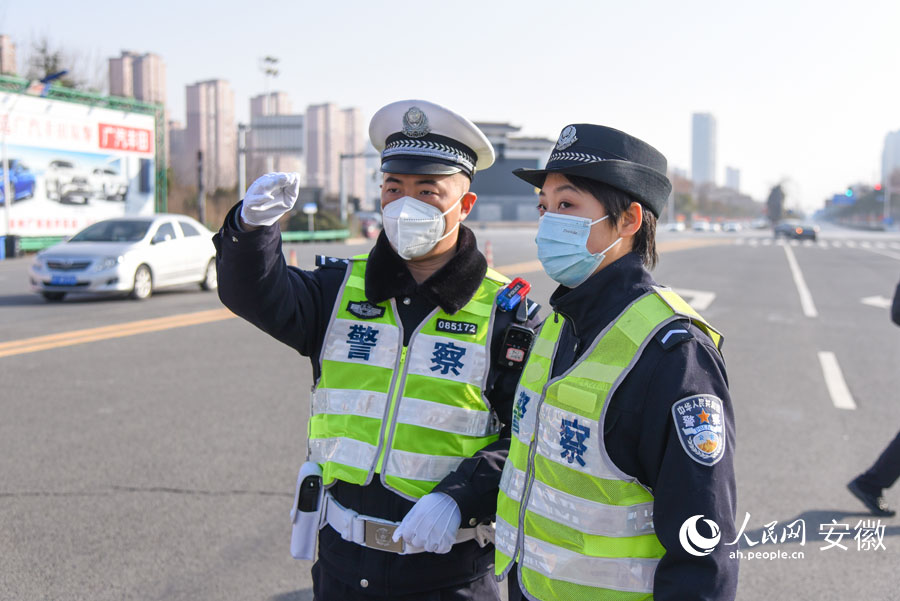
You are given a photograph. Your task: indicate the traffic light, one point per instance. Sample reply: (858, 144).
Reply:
(849, 193)
(878, 187)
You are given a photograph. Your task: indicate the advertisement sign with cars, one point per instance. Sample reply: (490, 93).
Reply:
(71, 165)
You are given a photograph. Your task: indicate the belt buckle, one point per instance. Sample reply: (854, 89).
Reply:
(378, 536)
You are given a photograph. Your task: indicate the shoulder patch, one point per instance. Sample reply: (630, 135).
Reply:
(700, 423)
(331, 262)
(673, 335)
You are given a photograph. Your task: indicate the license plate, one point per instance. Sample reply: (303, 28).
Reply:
(63, 280)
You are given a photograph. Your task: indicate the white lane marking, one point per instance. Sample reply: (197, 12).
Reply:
(834, 380)
(739, 241)
(837, 244)
(894, 244)
(876, 301)
(822, 244)
(795, 243)
(880, 245)
(754, 242)
(806, 300)
(766, 242)
(884, 253)
(808, 243)
(865, 244)
(851, 244)
(698, 299)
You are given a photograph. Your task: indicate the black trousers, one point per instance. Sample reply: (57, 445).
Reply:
(885, 471)
(329, 588)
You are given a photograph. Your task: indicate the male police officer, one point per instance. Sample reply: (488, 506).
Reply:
(408, 404)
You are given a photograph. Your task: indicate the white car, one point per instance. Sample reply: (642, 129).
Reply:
(675, 226)
(134, 255)
(64, 181)
(701, 226)
(107, 183)
(732, 226)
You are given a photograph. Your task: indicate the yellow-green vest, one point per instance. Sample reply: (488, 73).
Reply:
(411, 414)
(585, 528)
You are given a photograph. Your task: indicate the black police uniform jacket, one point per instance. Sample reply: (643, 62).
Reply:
(640, 432)
(294, 306)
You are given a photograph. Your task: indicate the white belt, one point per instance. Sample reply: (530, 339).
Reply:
(376, 533)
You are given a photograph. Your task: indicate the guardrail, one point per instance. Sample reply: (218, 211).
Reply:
(319, 235)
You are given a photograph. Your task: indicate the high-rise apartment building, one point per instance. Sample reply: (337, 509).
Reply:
(273, 103)
(890, 159)
(331, 132)
(703, 149)
(139, 76)
(733, 178)
(211, 130)
(7, 56)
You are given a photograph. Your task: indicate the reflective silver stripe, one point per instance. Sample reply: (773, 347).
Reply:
(337, 401)
(345, 451)
(549, 443)
(622, 574)
(505, 537)
(437, 416)
(415, 466)
(422, 360)
(381, 352)
(524, 417)
(578, 513)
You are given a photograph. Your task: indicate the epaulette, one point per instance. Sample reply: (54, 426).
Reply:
(331, 262)
(673, 335)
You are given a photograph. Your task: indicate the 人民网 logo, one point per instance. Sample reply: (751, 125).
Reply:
(694, 542)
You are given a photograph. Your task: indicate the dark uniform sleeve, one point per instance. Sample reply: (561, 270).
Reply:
(683, 485)
(291, 305)
(474, 484)
(895, 308)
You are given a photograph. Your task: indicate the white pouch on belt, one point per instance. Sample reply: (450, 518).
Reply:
(307, 510)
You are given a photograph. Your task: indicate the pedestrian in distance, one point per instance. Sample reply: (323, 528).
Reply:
(869, 486)
(412, 404)
(619, 482)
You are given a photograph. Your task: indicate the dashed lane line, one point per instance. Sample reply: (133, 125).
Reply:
(806, 300)
(834, 380)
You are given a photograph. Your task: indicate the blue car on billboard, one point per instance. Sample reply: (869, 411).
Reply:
(20, 179)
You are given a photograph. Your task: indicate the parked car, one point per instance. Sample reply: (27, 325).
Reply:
(675, 226)
(134, 255)
(732, 226)
(65, 181)
(796, 230)
(109, 184)
(701, 226)
(21, 179)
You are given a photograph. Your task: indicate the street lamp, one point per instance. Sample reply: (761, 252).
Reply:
(269, 67)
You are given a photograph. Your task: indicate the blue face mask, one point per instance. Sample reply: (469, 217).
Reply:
(562, 248)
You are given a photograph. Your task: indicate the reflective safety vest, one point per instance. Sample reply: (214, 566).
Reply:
(411, 413)
(578, 526)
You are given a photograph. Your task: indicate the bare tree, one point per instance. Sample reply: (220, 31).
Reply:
(86, 70)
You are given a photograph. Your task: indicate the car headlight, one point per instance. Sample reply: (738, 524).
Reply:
(40, 264)
(107, 263)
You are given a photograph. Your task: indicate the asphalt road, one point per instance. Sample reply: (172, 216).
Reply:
(157, 459)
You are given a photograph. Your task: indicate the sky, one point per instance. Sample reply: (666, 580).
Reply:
(803, 92)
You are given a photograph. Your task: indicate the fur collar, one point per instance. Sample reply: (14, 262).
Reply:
(450, 287)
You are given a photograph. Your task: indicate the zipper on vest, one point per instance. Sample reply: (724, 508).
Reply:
(392, 406)
(532, 451)
(392, 392)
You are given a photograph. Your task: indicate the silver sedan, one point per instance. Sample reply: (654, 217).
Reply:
(134, 255)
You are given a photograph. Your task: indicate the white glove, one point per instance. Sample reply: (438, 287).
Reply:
(431, 523)
(270, 197)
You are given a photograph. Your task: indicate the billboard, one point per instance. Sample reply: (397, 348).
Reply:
(73, 164)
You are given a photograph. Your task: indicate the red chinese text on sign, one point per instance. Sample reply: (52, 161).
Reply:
(119, 137)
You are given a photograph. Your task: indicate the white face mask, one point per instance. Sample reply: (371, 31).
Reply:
(414, 227)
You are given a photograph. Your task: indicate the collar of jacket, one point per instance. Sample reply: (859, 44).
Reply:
(596, 302)
(450, 287)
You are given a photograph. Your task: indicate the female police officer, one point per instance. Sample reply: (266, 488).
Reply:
(619, 481)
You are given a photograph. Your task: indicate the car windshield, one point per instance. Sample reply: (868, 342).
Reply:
(113, 231)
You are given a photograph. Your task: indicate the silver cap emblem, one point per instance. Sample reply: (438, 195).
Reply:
(566, 138)
(415, 123)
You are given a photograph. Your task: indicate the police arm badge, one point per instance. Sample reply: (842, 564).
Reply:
(700, 423)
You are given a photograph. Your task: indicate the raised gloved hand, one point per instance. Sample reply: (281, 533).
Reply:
(270, 197)
(431, 523)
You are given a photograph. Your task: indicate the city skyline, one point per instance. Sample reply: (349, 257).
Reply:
(786, 108)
